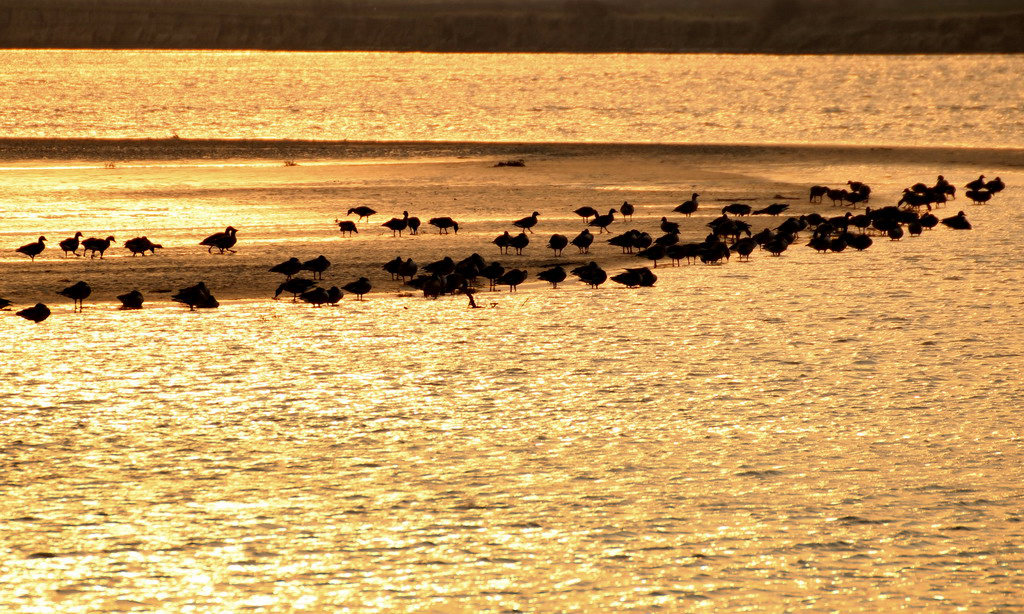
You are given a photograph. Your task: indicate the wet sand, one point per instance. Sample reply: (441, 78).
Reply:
(178, 191)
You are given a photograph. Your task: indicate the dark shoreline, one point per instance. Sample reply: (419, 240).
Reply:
(125, 150)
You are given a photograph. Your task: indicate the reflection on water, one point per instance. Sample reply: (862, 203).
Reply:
(893, 100)
(778, 432)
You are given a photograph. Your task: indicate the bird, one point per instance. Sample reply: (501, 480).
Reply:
(669, 227)
(33, 249)
(744, 247)
(995, 186)
(362, 211)
(979, 196)
(503, 241)
(4, 304)
(641, 277)
(512, 279)
(37, 313)
(492, 272)
(414, 225)
(223, 241)
(654, 253)
(294, 286)
(603, 221)
(583, 241)
(346, 227)
(817, 192)
(591, 274)
(586, 212)
(557, 243)
(288, 268)
(196, 297)
(131, 300)
(555, 275)
(443, 224)
(627, 209)
(316, 297)
(737, 209)
(334, 295)
(772, 209)
(96, 245)
(138, 245)
(519, 242)
(358, 287)
(443, 267)
(77, 292)
(317, 266)
(407, 269)
(977, 184)
(527, 223)
(957, 222)
(397, 224)
(689, 206)
(71, 245)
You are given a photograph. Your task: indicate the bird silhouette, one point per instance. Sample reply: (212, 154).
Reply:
(223, 241)
(772, 209)
(346, 227)
(583, 241)
(586, 212)
(139, 245)
(512, 279)
(294, 286)
(288, 268)
(37, 313)
(363, 212)
(315, 297)
(669, 227)
(70, 245)
(77, 292)
(443, 224)
(396, 224)
(555, 275)
(627, 209)
(737, 209)
(196, 297)
(603, 221)
(527, 223)
(519, 242)
(503, 241)
(4, 304)
(131, 300)
(957, 222)
(688, 207)
(96, 245)
(359, 287)
(591, 274)
(557, 243)
(414, 225)
(33, 249)
(317, 266)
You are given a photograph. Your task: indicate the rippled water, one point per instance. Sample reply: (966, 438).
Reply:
(975, 101)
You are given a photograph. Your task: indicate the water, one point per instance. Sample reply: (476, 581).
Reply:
(819, 432)
(973, 101)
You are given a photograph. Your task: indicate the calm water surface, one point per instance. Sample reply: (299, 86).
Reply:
(975, 101)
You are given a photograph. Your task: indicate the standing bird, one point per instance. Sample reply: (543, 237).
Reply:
(346, 227)
(77, 292)
(519, 242)
(995, 186)
(443, 224)
(772, 209)
(139, 245)
(503, 242)
(294, 286)
(512, 279)
(737, 209)
(604, 221)
(977, 184)
(414, 225)
(315, 297)
(196, 297)
(557, 243)
(131, 300)
(333, 295)
(668, 227)
(555, 275)
(223, 241)
(358, 287)
(362, 211)
(95, 245)
(591, 274)
(957, 222)
(397, 224)
(583, 241)
(586, 212)
(37, 314)
(287, 268)
(979, 196)
(317, 266)
(627, 209)
(689, 206)
(527, 222)
(492, 272)
(71, 245)
(32, 250)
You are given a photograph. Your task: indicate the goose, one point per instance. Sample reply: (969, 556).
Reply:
(358, 287)
(777, 245)
(512, 279)
(583, 241)
(859, 242)
(294, 286)
(37, 313)
(362, 211)
(469, 267)
(557, 243)
(977, 184)
(196, 297)
(77, 292)
(586, 212)
(334, 295)
(555, 275)
(131, 300)
(669, 227)
(397, 224)
(346, 227)
(71, 245)
(654, 253)
(737, 209)
(929, 221)
(915, 229)
(503, 241)
(527, 223)
(772, 209)
(667, 239)
(979, 196)
(628, 278)
(627, 209)
(744, 247)
(414, 225)
(995, 186)
(821, 243)
(944, 187)
(837, 196)
(443, 267)
(689, 206)
(625, 241)
(223, 241)
(957, 222)
(838, 244)
(393, 266)
(647, 277)
(288, 268)
(603, 221)
(817, 192)
(317, 266)
(492, 272)
(443, 224)
(591, 274)
(315, 297)
(679, 251)
(519, 242)
(140, 245)
(33, 249)
(407, 269)
(94, 245)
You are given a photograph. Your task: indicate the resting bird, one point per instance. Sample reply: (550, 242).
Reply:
(443, 224)
(77, 292)
(317, 266)
(294, 286)
(669, 227)
(519, 242)
(654, 253)
(33, 249)
(362, 211)
(70, 245)
(977, 184)
(591, 274)
(333, 295)
(139, 245)
(772, 209)
(636, 278)
(503, 242)
(557, 243)
(196, 297)
(287, 268)
(95, 245)
(358, 287)
(555, 275)
(131, 300)
(527, 222)
(315, 297)
(627, 210)
(995, 186)
(583, 241)
(223, 241)
(492, 272)
(957, 222)
(37, 314)
(414, 225)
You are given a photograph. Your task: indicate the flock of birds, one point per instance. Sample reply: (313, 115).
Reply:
(728, 234)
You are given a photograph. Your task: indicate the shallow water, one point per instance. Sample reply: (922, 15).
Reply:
(974, 101)
(835, 432)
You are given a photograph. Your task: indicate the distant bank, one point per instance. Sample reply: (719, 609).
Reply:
(585, 26)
